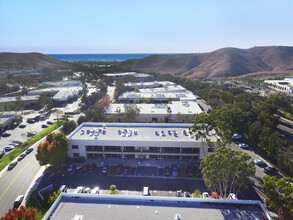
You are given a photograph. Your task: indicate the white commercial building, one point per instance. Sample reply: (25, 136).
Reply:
(137, 140)
(176, 111)
(139, 76)
(285, 85)
(63, 83)
(156, 97)
(154, 84)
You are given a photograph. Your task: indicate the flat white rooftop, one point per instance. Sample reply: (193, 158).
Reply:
(150, 84)
(183, 96)
(184, 107)
(87, 206)
(168, 89)
(137, 75)
(23, 98)
(136, 132)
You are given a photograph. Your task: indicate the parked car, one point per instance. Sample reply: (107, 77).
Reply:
(44, 126)
(8, 148)
(31, 121)
(29, 150)
(87, 190)
(18, 201)
(187, 194)
(70, 168)
(95, 190)
(236, 136)
(126, 170)
(215, 195)
(269, 170)
(85, 168)
(12, 165)
(22, 125)
(92, 168)
(244, 146)
(50, 122)
(63, 188)
(119, 169)
(232, 196)
(174, 171)
(179, 193)
(260, 163)
(167, 171)
(78, 167)
(205, 195)
(31, 134)
(17, 142)
(79, 189)
(6, 134)
(105, 170)
(21, 156)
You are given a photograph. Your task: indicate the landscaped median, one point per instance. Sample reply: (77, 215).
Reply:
(18, 150)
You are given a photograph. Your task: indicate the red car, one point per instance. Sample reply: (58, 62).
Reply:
(126, 170)
(85, 168)
(119, 169)
(215, 195)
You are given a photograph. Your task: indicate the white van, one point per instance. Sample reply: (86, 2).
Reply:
(145, 191)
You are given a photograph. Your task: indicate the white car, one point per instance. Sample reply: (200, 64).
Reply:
(260, 162)
(236, 136)
(244, 146)
(70, 168)
(78, 167)
(87, 190)
(232, 196)
(95, 190)
(205, 195)
(79, 189)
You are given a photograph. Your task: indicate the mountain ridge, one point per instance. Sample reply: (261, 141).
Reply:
(26, 61)
(222, 63)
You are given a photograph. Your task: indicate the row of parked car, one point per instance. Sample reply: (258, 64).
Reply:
(214, 195)
(20, 157)
(90, 168)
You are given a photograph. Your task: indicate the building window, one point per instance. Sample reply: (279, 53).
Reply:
(74, 146)
(75, 155)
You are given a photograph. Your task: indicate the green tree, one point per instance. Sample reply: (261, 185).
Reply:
(52, 198)
(112, 118)
(97, 114)
(82, 119)
(113, 190)
(45, 100)
(145, 101)
(227, 171)
(280, 195)
(203, 125)
(129, 115)
(19, 104)
(136, 89)
(68, 127)
(136, 101)
(54, 150)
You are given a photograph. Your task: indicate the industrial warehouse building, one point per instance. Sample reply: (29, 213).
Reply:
(176, 111)
(137, 140)
(90, 206)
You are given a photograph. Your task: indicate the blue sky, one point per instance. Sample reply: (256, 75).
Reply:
(143, 26)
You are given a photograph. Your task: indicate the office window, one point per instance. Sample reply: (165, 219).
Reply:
(75, 155)
(74, 146)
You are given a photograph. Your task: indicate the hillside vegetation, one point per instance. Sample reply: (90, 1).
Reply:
(29, 61)
(222, 63)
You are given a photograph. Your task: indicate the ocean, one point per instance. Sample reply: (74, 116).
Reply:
(97, 57)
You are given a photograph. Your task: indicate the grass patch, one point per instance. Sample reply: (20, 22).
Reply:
(286, 115)
(181, 172)
(112, 170)
(32, 203)
(18, 150)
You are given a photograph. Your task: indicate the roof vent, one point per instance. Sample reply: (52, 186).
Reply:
(177, 217)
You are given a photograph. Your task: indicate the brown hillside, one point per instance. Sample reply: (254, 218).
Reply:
(222, 63)
(28, 61)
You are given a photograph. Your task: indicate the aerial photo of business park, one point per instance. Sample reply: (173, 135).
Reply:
(146, 110)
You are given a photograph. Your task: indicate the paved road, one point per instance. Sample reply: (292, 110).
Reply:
(16, 182)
